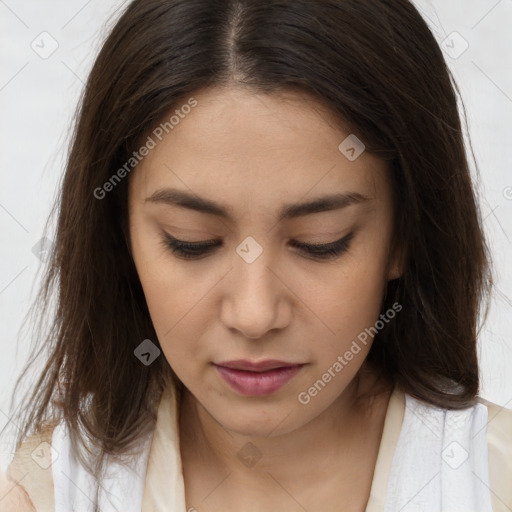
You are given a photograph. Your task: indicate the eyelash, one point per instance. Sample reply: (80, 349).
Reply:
(192, 250)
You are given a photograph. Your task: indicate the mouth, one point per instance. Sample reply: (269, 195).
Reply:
(257, 379)
(256, 366)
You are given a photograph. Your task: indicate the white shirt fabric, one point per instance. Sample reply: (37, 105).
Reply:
(440, 464)
(74, 487)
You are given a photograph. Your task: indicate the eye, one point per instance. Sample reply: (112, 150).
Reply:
(325, 251)
(194, 250)
(189, 250)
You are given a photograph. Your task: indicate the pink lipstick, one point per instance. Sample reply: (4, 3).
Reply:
(257, 378)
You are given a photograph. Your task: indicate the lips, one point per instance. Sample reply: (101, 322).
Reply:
(257, 378)
(253, 366)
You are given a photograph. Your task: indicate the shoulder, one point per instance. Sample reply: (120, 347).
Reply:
(29, 478)
(499, 442)
(14, 497)
(500, 418)
(499, 428)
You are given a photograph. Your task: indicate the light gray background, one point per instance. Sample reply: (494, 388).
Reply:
(38, 96)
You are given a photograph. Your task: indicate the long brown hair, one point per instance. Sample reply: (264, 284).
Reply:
(375, 64)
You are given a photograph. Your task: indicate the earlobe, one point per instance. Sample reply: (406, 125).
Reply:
(394, 272)
(397, 263)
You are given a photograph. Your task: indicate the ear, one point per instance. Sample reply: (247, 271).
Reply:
(396, 263)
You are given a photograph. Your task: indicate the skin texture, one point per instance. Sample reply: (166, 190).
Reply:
(254, 153)
(13, 497)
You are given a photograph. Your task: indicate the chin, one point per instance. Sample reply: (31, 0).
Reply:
(259, 421)
(252, 429)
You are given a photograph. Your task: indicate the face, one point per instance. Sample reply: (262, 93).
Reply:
(252, 289)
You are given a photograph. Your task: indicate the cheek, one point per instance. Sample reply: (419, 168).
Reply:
(347, 298)
(172, 300)
(364, 286)
(172, 305)
(169, 293)
(178, 301)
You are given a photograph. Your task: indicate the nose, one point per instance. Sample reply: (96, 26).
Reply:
(256, 299)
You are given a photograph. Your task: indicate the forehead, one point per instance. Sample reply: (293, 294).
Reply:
(254, 150)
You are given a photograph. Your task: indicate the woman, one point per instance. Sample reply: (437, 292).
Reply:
(270, 264)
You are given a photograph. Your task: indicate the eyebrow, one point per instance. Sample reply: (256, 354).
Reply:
(183, 199)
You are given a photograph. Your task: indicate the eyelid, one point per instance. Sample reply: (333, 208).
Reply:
(198, 243)
(337, 246)
(317, 252)
(344, 238)
(213, 242)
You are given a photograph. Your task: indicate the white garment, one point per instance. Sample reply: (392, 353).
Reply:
(440, 464)
(74, 487)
